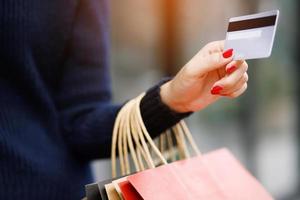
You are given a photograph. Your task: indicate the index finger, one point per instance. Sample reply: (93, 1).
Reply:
(216, 46)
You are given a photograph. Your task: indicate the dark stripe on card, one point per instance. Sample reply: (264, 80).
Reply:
(252, 23)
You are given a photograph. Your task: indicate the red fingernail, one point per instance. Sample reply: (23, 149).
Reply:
(228, 53)
(216, 90)
(231, 69)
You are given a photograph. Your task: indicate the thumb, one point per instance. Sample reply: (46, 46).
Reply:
(215, 61)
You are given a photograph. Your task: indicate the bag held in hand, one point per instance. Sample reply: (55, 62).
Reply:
(215, 176)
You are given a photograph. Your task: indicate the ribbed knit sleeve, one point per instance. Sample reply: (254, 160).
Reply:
(86, 112)
(84, 94)
(156, 115)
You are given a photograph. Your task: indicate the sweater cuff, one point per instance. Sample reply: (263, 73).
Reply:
(156, 115)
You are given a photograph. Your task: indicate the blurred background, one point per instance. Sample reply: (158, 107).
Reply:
(155, 38)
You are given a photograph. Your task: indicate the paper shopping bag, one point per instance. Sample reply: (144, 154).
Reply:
(128, 191)
(111, 192)
(114, 191)
(92, 192)
(214, 176)
(125, 190)
(96, 191)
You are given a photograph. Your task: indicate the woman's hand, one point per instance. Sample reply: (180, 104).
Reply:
(210, 74)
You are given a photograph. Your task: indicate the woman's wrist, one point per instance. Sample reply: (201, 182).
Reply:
(156, 114)
(172, 102)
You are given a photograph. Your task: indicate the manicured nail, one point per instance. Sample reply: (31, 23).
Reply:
(228, 53)
(216, 90)
(231, 69)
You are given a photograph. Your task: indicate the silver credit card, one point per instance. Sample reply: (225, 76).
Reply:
(252, 36)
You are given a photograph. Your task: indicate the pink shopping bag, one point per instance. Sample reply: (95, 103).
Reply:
(213, 176)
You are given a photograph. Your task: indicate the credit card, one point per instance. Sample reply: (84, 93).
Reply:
(252, 36)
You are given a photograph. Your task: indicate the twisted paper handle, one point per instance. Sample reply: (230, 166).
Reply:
(131, 134)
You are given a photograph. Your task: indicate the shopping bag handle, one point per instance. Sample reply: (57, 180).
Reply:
(130, 133)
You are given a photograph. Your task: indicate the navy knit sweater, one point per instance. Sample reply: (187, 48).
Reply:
(55, 110)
